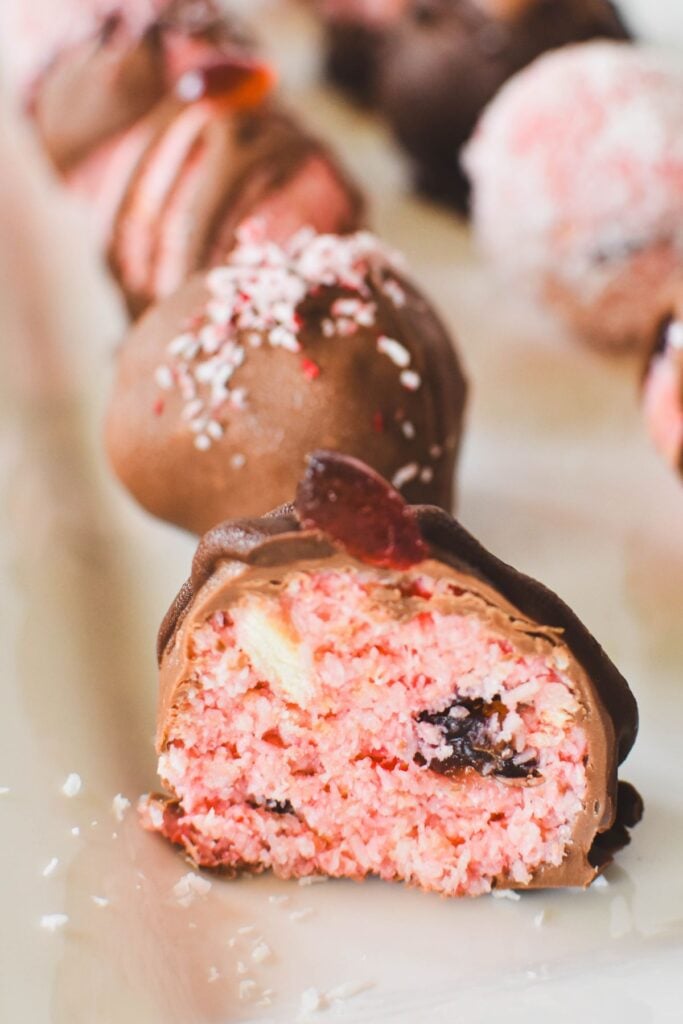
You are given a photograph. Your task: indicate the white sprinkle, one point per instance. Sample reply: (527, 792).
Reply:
(51, 922)
(202, 442)
(436, 451)
(506, 894)
(119, 806)
(408, 429)
(232, 943)
(73, 785)
(348, 990)
(278, 900)
(246, 929)
(214, 430)
(75, 831)
(404, 475)
(398, 353)
(539, 919)
(192, 410)
(246, 989)
(242, 967)
(393, 291)
(410, 380)
(311, 1000)
(313, 879)
(100, 901)
(301, 915)
(163, 378)
(50, 867)
(189, 886)
(426, 475)
(561, 660)
(94, 823)
(4, 790)
(238, 460)
(674, 336)
(213, 975)
(261, 952)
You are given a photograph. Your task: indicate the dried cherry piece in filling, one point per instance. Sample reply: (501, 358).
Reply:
(354, 506)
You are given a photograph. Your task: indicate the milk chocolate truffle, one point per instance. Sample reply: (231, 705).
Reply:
(223, 390)
(445, 59)
(577, 168)
(355, 31)
(353, 686)
(118, 63)
(663, 384)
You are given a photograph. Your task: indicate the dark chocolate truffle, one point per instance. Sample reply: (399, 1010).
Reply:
(663, 383)
(224, 389)
(445, 59)
(354, 687)
(354, 33)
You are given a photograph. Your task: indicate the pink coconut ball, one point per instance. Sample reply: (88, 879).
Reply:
(662, 395)
(577, 174)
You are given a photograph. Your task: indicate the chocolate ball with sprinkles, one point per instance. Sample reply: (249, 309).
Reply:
(225, 388)
(353, 686)
(662, 395)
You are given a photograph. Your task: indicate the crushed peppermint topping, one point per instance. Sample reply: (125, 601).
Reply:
(254, 300)
(404, 475)
(410, 380)
(398, 353)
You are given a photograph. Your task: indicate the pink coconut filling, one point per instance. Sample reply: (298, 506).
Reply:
(663, 407)
(311, 758)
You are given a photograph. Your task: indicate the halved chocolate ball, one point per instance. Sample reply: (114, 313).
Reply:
(354, 687)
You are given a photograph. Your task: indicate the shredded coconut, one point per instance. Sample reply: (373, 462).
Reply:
(190, 886)
(100, 901)
(261, 952)
(50, 867)
(119, 806)
(52, 922)
(73, 785)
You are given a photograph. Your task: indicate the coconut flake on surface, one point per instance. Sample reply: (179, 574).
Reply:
(311, 1000)
(119, 806)
(100, 901)
(189, 887)
(213, 975)
(348, 990)
(53, 922)
(72, 785)
(261, 952)
(50, 867)
(506, 894)
(246, 989)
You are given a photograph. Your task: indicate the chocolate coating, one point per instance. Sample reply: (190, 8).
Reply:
(445, 59)
(354, 35)
(279, 543)
(339, 391)
(105, 83)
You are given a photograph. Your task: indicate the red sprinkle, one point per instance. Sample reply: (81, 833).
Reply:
(310, 369)
(378, 422)
(158, 407)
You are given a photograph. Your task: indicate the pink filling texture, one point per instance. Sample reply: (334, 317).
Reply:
(323, 766)
(663, 407)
